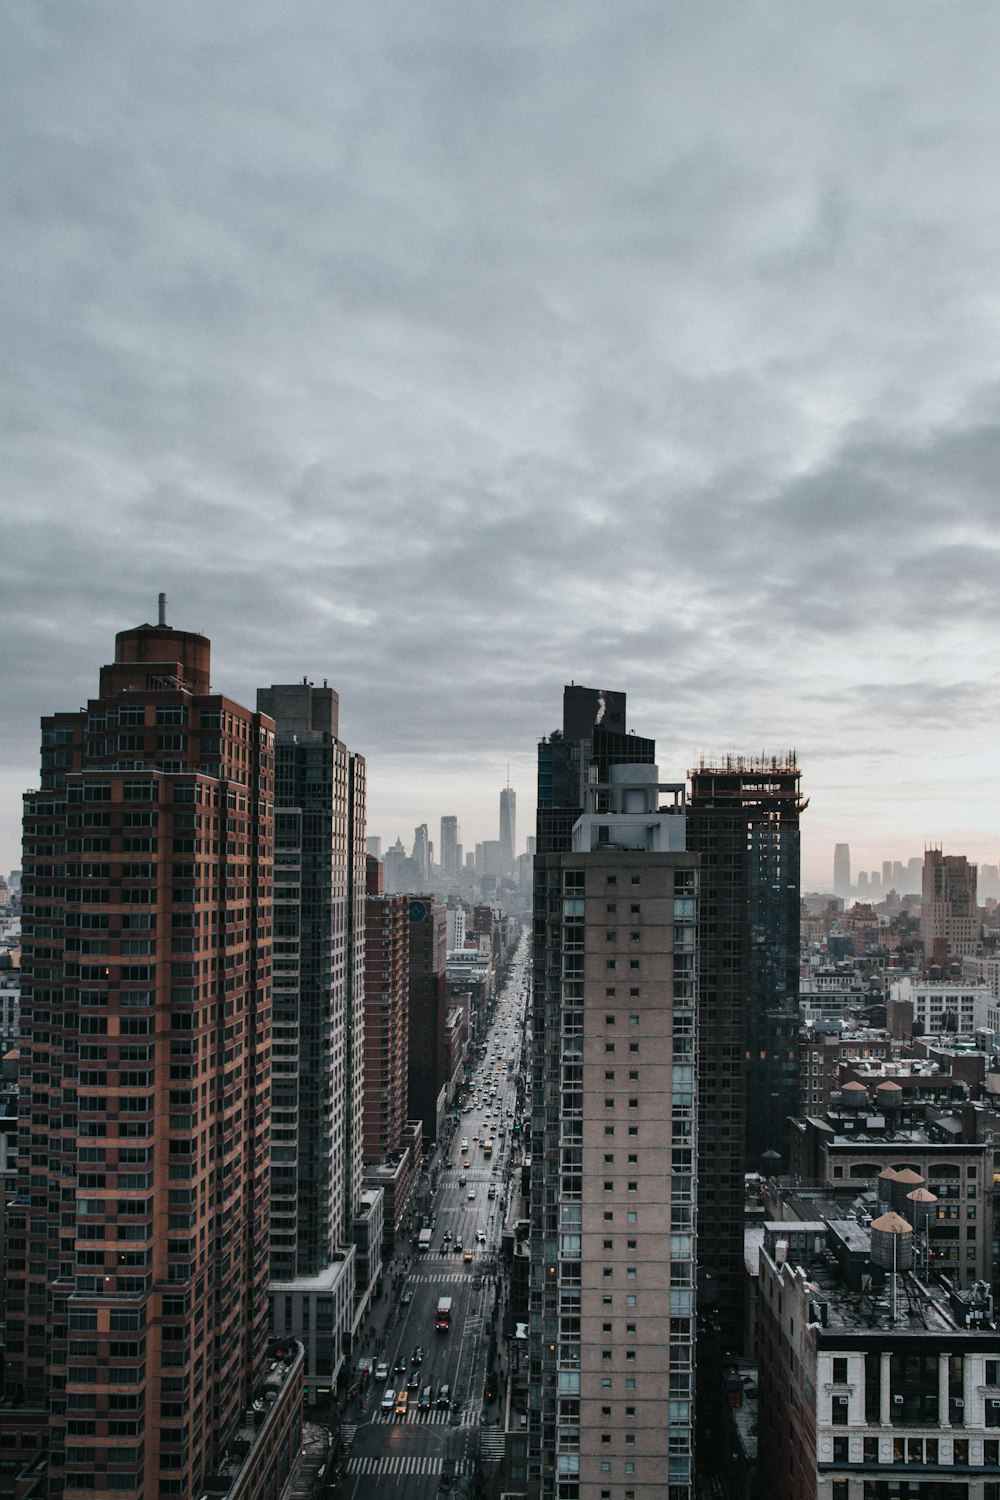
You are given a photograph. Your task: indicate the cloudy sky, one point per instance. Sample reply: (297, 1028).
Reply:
(455, 350)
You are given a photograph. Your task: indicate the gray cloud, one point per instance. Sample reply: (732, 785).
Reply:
(453, 352)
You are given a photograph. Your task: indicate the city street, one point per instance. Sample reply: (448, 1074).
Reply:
(407, 1452)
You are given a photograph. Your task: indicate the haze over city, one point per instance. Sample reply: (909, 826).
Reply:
(452, 353)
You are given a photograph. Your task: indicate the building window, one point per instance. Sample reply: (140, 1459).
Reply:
(840, 1372)
(609, 1046)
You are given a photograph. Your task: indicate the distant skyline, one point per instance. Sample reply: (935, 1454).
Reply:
(452, 353)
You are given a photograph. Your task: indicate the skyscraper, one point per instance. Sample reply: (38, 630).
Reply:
(318, 1008)
(743, 819)
(387, 1002)
(450, 837)
(613, 1149)
(421, 855)
(138, 1249)
(842, 871)
(508, 830)
(949, 914)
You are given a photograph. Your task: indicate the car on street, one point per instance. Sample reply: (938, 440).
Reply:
(425, 1398)
(413, 1384)
(467, 1257)
(444, 1394)
(407, 1296)
(446, 1237)
(381, 1371)
(402, 1403)
(389, 1399)
(471, 1194)
(418, 1355)
(492, 1192)
(401, 1365)
(457, 1245)
(481, 1236)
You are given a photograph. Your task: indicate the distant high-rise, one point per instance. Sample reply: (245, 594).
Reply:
(421, 855)
(842, 871)
(949, 914)
(508, 830)
(373, 846)
(137, 1244)
(449, 847)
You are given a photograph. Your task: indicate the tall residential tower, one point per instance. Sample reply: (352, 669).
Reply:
(613, 1129)
(318, 1018)
(138, 1242)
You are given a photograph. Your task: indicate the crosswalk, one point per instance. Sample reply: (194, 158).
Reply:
(491, 1444)
(347, 1431)
(398, 1464)
(424, 1278)
(434, 1418)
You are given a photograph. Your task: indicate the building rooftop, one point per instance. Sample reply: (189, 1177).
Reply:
(837, 1267)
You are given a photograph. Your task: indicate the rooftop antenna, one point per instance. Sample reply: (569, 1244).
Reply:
(162, 605)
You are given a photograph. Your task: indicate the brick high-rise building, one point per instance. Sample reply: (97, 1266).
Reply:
(138, 1244)
(387, 1004)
